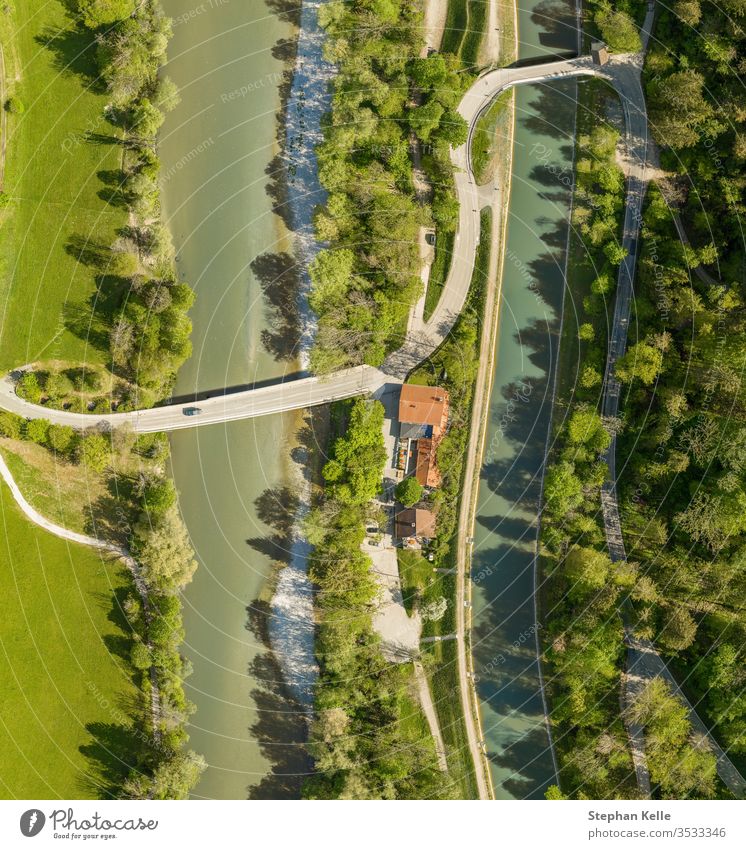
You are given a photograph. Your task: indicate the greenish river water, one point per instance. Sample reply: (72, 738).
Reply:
(236, 481)
(504, 635)
(546, 29)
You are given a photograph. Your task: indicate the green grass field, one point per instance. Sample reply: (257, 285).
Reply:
(60, 152)
(65, 678)
(64, 675)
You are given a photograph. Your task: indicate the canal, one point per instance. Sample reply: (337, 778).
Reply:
(237, 483)
(503, 638)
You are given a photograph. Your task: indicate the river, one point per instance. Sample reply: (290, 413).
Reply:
(504, 647)
(238, 483)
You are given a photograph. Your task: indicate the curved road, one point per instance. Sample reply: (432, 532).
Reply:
(422, 339)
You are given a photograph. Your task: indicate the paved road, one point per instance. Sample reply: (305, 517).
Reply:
(242, 404)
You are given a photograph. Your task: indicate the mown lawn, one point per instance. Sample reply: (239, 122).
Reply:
(64, 674)
(60, 154)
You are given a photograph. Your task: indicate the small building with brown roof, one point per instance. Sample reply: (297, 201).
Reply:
(415, 522)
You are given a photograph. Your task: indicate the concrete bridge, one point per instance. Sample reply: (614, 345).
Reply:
(423, 337)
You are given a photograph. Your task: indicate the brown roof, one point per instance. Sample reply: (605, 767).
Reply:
(415, 522)
(425, 523)
(422, 404)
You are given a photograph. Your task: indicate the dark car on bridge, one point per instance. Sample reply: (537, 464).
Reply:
(192, 411)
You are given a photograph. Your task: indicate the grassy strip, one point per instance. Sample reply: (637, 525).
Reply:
(91, 102)
(490, 135)
(475, 32)
(439, 270)
(457, 22)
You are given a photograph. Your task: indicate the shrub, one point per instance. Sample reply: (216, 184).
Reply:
(11, 425)
(61, 438)
(28, 387)
(93, 452)
(37, 430)
(14, 106)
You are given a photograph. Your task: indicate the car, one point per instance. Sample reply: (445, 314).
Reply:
(430, 238)
(192, 411)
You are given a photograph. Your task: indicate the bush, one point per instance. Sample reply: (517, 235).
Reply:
(93, 452)
(28, 387)
(11, 425)
(140, 656)
(14, 106)
(37, 430)
(409, 491)
(61, 439)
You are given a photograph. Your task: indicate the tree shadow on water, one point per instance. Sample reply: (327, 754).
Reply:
(279, 276)
(281, 727)
(276, 507)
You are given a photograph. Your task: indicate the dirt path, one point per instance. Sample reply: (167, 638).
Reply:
(428, 708)
(436, 12)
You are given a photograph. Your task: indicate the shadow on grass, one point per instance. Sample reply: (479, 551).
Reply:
(74, 50)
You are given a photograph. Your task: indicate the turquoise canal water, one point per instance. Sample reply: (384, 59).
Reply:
(504, 634)
(236, 482)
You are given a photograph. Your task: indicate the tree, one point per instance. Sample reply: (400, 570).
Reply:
(563, 491)
(586, 428)
(409, 491)
(678, 109)
(678, 630)
(586, 569)
(618, 30)
(159, 495)
(586, 333)
(424, 120)
(58, 385)
(677, 763)
(173, 778)
(99, 13)
(642, 362)
(689, 11)
(94, 451)
(453, 129)
(165, 551)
